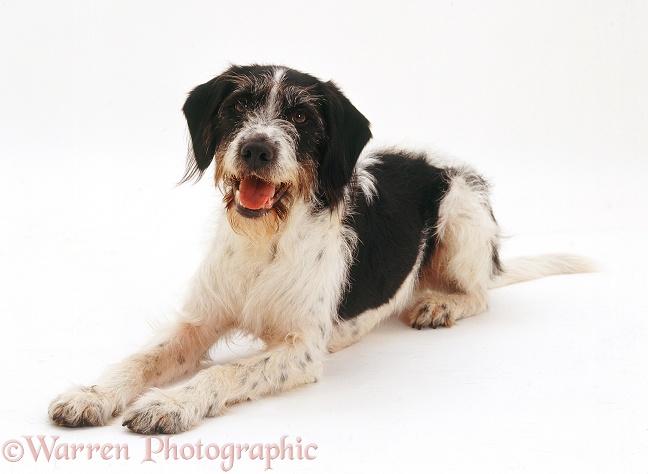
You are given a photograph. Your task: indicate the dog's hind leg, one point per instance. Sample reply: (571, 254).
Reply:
(453, 284)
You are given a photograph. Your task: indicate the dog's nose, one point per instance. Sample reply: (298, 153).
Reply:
(257, 153)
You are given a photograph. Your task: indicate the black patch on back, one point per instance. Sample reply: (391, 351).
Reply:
(391, 229)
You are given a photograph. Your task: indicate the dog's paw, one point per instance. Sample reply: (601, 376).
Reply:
(431, 311)
(83, 406)
(160, 411)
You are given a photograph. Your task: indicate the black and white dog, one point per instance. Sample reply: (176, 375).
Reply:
(322, 244)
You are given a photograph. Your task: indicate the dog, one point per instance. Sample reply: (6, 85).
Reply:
(320, 242)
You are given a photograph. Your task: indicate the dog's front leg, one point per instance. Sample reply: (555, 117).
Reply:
(171, 356)
(296, 361)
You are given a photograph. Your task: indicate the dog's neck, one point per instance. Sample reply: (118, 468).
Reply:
(263, 236)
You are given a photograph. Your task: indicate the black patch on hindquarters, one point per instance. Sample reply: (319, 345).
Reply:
(391, 228)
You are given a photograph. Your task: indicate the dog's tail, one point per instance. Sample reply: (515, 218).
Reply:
(529, 268)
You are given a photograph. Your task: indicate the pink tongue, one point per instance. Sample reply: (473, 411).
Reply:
(255, 193)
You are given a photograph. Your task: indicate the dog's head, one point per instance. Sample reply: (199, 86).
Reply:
(277, 135)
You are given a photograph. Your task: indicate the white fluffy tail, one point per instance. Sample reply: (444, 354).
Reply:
(529, 268)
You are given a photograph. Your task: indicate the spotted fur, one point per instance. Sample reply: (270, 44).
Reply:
(317, 244)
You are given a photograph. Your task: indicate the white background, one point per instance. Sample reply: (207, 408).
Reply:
(548, 99)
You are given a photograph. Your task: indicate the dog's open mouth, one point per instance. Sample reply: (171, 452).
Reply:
(255, 197)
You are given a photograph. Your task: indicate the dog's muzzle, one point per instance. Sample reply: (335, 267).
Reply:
(255, 195)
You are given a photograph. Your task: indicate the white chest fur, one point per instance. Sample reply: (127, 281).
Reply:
(282, 285)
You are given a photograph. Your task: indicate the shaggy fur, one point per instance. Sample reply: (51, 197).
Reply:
(321, 244)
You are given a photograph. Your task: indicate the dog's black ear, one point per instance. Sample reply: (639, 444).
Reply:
(348, 133)
(201, 110)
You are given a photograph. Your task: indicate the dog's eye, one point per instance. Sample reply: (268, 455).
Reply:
(241, 106)
(299, 117)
